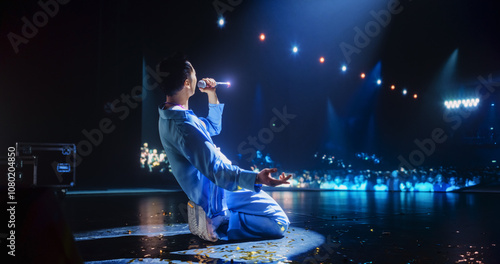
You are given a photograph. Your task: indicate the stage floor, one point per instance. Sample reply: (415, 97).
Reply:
(326, 227)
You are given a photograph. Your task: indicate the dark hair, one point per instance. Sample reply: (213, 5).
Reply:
(174, 71)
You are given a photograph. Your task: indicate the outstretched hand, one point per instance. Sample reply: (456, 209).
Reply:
(264, 177)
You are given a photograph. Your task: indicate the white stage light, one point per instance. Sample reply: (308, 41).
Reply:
(221, 22)
(469, 102)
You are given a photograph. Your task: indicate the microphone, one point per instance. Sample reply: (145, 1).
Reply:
(202, 84)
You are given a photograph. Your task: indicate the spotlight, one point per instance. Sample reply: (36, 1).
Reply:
(262, 37)
(415, 96)
(322, 59)
(452, 104)
(363, 75)
(492, 104)
(405, 91)
(393, 87)
(295, 49)
(470, 102)
(221, 22)
(379, 82)
(344, 68)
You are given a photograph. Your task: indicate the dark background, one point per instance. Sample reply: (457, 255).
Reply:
(90, 53)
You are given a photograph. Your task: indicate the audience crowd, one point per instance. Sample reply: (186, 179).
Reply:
(152, 161)
(422, 180)
(419, 180)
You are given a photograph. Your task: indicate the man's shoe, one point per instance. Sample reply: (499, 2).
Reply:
(200, 224)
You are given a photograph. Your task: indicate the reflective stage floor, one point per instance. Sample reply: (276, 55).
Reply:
(326, 227)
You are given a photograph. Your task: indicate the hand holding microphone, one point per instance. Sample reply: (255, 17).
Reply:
(203, 84)
(207, 85)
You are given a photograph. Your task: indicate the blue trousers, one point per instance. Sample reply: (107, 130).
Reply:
(254, 215)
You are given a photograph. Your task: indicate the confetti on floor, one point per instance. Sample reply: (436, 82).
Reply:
(295, 242)
(145, 230)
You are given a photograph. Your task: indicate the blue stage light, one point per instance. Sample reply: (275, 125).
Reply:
(344, 68)
(379, 82)
(405, 91)
(295, 49)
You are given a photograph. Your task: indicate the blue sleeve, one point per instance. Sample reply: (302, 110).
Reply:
(203, 155)
(214, 119)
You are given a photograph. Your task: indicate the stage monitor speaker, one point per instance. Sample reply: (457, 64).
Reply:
(54, 163)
